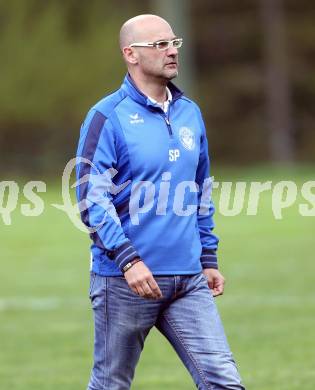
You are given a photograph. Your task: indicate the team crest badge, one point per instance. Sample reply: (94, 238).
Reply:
(187, 138)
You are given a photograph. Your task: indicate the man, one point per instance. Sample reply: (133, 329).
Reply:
(144, 194)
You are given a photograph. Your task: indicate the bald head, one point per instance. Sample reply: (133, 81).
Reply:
(143, 63)
(143, 28)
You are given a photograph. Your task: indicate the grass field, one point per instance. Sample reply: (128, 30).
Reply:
(268, 308)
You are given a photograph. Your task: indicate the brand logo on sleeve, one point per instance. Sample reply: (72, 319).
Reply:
(187, 138)
(135, 118)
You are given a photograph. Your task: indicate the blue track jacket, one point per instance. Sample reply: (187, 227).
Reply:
(141, 175)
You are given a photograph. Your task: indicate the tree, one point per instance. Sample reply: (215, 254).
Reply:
(277, 81)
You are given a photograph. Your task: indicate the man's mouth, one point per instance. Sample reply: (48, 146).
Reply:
(173, 64)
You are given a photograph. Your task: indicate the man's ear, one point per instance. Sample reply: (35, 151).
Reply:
(130, 55)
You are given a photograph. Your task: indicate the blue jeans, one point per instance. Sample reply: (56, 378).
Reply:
(186, 315)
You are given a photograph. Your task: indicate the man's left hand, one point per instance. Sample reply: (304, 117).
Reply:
(215, 280)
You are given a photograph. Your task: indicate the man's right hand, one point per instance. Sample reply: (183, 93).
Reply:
(142, 282)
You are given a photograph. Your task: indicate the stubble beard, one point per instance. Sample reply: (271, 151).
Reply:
(164, 75)
(169, 75)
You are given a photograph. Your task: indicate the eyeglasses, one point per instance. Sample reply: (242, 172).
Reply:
(160, 45)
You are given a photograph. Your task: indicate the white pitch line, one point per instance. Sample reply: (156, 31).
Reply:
(270, 300)
(40, 304)
(54, 302)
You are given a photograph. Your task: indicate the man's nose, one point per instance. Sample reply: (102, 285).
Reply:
(172, 51)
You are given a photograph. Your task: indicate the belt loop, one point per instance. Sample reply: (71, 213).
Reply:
(175, 286)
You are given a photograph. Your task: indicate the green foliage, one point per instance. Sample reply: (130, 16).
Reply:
(59, 57)
(231, 66)
(53, 72)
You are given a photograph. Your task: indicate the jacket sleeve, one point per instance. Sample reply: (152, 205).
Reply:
(209, 241)
(95, 168)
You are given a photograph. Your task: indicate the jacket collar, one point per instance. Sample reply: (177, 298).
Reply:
(132, 90)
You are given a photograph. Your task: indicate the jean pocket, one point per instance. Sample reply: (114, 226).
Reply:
(204, 278)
